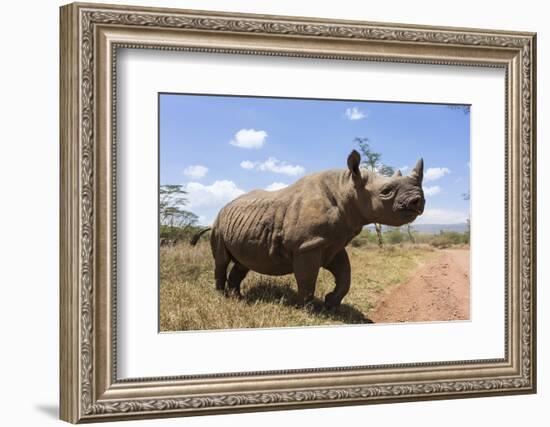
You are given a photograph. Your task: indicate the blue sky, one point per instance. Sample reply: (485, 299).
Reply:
(219, 147)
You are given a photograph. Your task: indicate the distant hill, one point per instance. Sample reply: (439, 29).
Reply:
(431, 228)
(436, 228)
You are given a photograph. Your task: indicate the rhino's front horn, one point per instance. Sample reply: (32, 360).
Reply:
(397, 173)
(418, 171)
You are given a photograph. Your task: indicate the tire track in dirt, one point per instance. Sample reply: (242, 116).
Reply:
(439, 290)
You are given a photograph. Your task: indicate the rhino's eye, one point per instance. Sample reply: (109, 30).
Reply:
(386, 192)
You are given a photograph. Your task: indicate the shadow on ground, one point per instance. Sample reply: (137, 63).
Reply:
(50, 410)
(285, 294)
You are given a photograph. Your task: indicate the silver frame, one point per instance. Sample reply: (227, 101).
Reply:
(90, 37)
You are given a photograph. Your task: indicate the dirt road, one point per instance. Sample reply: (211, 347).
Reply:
(439, 290)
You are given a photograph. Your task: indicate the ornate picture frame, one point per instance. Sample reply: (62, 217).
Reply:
(90, 37)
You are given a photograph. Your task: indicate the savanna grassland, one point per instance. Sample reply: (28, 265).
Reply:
(189, 301)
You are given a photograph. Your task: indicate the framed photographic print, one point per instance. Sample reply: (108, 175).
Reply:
(266, 212)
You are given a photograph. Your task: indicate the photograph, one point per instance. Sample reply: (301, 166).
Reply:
(346, 207)
(289, 212)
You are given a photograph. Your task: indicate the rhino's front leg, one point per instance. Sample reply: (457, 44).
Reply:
(306, 267)
(340, 268)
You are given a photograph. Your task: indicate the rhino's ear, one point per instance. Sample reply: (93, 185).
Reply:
(418, 171)
(354, 160)
(397, 173)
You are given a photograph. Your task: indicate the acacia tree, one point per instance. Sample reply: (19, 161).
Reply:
(371, 160)
(465, 109)
(410, 233)
(171, 203)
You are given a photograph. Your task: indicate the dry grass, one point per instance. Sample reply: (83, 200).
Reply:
(189, 301)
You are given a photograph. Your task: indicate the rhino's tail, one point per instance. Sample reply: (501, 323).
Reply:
(197, 236)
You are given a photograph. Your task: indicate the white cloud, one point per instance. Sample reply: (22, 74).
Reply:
(276, 186)
(195, 171)
(203, 220)
(274, 165)
(249, 138)
(247, 164)
(433, 174)
(199, 195)
(432, 191)
(441, 216)
(207, 200)
(404, 169)
(355, 113)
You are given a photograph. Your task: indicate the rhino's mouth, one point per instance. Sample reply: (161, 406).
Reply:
(410, 212)
(413, 206)
(413, 211)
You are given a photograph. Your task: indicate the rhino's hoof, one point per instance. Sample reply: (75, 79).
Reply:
(233, 293)
(331, 301)
(304, 302)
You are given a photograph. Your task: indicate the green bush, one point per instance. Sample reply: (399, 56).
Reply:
(394, 236)
(448, 238)
(366, 237)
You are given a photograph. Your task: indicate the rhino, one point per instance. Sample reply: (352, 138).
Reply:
(307, 225)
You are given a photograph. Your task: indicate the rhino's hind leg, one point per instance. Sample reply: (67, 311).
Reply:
(221, 261)
(236, 276)
(306, 268)
(341, 270)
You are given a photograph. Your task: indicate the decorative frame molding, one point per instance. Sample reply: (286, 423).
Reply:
(90, 36)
